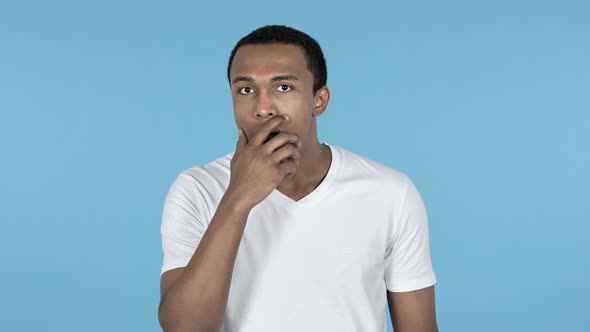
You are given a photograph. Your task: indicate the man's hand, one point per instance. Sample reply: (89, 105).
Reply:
(257, 167)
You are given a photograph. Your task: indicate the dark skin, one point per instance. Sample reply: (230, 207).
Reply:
(257, 96)
(271, 80)
(272, 90)
(413, 311)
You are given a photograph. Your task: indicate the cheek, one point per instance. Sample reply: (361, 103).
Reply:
(239, 104)
(241, 110)
(244, 119)
(294, 105)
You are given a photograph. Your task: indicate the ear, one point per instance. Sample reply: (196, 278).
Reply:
(320, 101)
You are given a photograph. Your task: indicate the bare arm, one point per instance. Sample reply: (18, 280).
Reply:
(194, 298)
(413, 311)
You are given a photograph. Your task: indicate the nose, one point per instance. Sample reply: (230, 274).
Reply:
(264, 106)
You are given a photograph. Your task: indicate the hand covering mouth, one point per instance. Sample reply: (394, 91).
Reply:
(270, 136)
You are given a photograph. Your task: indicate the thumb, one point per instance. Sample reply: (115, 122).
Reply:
(242, 141)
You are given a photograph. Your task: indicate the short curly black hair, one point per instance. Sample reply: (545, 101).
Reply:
(282, 34)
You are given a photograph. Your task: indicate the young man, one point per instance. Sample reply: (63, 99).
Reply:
(287, 233)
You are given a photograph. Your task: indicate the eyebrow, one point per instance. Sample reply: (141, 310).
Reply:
(274, 79)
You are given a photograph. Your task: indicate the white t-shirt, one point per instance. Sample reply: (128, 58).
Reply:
(323, 263)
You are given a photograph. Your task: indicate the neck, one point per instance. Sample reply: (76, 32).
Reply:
(313, 166)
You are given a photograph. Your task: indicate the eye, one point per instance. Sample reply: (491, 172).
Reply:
(245, 90)
(284, 88)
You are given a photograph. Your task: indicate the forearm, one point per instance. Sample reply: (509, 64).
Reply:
(197, 301)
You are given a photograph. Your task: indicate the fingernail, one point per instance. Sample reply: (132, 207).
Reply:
(287, 117)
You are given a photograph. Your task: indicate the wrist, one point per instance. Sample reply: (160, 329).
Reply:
(235, 202)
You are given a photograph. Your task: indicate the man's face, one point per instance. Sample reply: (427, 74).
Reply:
(269, 80)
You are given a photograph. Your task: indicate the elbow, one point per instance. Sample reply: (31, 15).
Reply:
(170, 322)
(165, 321)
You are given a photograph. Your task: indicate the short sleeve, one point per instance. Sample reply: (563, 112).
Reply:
(408, 264)
(182, 224)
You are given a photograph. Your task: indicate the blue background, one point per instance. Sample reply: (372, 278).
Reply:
(485, 105)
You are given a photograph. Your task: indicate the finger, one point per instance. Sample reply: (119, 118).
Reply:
(286, 151)
(267, 127)
(270, 136)
(287, 168)
(242, 140)
(280, 140)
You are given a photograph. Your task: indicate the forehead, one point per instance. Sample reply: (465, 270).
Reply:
(266, 60)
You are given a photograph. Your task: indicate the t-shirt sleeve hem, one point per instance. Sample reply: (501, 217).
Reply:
(412, 284)
(173, 265)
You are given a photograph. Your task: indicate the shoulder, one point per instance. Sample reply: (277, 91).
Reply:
(356, 167)
(212, 174)
(201, 186)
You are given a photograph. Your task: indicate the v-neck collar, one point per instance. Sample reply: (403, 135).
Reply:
(317, 194)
